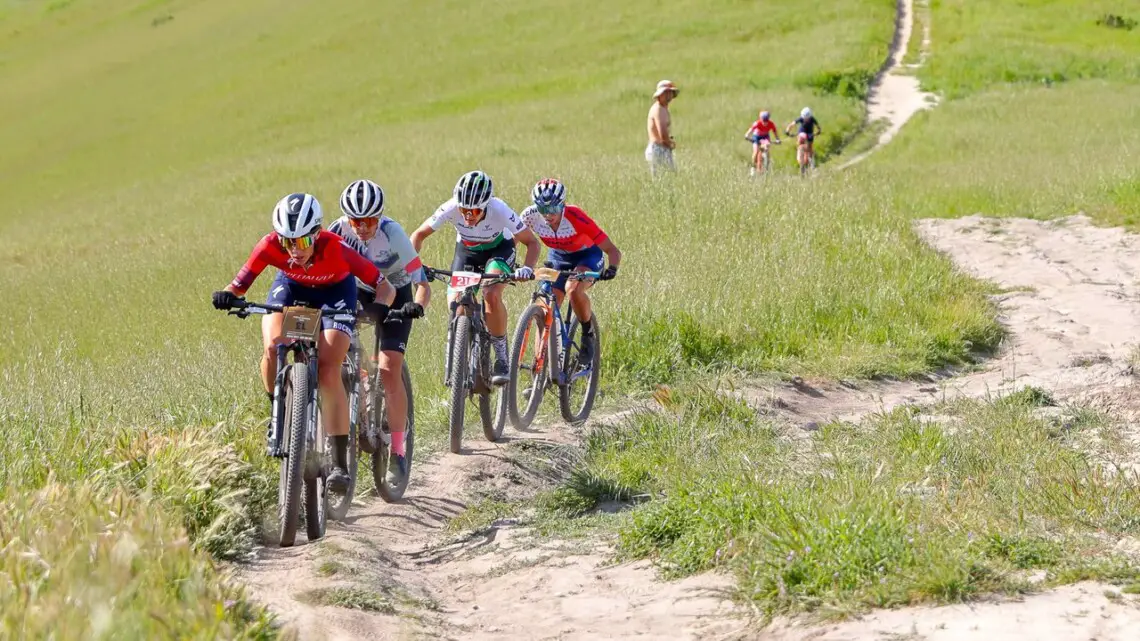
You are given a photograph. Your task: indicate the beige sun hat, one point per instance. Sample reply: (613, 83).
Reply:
(666, 85)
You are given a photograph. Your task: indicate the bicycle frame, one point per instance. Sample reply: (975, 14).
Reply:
(468, 299)
(546, 297)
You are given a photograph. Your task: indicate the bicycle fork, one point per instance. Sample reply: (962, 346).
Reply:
(273, 435)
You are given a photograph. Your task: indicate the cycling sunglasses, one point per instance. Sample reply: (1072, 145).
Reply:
(304, 242)
(550, 210)
(364, 223)
(470, 213)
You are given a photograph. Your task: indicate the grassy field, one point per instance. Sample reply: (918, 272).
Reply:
(144, 144)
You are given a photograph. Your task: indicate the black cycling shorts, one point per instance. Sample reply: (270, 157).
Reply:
(393, 333)
(470, 260)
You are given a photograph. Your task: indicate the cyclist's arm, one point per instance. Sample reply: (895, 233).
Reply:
(367, 272)
(254, 265)
(818, 129)
(420, 234)
(408, 259)
(533, 246)
(443, 214)
(613, 254)
(423, 294)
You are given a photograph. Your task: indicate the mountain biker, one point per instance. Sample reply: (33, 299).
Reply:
(486, 230)
(759, 134)
(808, 129)
(383, 241)
(576, 243)
(317, 267)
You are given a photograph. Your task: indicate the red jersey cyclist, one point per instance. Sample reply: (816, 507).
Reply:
(576, 243)
(760, 134)
(318, 267)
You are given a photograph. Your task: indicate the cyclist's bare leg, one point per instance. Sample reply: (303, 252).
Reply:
(494, 309)
(391, 373)
(579, 300)
(334, 400)
(756, 157)
(270, 330)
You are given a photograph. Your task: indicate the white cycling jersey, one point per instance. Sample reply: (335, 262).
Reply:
(390, 250)
(500, 223)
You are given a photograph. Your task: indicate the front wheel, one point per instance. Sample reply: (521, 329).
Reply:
(460, 353)
(381, 460)
(576, 397)
(528, 363)
(297, 395)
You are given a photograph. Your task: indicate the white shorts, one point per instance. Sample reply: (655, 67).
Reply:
(659, 156)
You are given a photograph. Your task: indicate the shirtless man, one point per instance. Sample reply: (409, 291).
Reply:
(659, 152)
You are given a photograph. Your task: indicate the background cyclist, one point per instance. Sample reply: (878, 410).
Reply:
(808, 129)
(759, 134)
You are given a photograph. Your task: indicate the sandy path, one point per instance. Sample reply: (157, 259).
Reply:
(896, 94)
(501, 583)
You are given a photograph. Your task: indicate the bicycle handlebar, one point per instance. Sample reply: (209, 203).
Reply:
(485, 279)
(551, 274)
(243, 308)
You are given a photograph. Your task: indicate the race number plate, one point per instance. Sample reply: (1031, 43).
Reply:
(462, 280)
(301, 323)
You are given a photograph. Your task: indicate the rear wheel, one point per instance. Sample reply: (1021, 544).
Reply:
(381, 460)
(490, 402)
(576, 397)
(461, 351)
(297, 395)
(528, 367)
(316, 508)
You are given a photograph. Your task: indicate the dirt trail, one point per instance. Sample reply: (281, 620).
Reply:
(896, 94)
(499, 583)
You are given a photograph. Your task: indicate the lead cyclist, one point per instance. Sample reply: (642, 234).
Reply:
(383, 241)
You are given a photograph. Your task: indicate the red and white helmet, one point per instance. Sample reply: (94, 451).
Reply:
(548, 193)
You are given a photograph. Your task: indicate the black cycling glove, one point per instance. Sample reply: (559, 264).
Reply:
(412, 310)
(224, 299)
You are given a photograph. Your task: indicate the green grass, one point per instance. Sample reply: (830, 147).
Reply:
(896, 512)
(145, 143)
(81, 561)
(352, 598)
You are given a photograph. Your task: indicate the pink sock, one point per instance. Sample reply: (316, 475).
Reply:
(398, 443)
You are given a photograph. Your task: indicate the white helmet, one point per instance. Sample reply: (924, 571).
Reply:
(362, 199)
(806, 113)
(474, 190)
(296, 215)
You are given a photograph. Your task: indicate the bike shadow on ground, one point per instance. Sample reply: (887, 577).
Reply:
(427, 512)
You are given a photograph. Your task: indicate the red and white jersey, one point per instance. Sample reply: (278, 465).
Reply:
(333, 260)
(575, 232)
